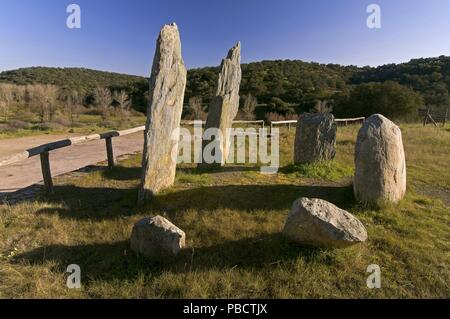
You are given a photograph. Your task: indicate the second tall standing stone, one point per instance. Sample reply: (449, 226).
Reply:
(225, 105)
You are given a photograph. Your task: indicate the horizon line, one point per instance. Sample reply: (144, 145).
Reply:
(210, 66)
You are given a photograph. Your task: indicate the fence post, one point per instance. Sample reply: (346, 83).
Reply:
(46, 172)
(109, 152)
(425, 120)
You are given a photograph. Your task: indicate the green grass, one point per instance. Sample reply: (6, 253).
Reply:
(195, 179)
(233, 218)
(332, 171)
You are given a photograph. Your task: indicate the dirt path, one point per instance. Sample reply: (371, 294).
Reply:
(68, 159)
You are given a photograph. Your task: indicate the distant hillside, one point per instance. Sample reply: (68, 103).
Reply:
(292, 82)
(80, 79)
(430, 77)
(300, 84)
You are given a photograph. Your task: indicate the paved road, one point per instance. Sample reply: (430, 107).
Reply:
(28, 172)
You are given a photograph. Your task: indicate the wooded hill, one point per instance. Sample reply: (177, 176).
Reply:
(282, 86)
(79, 79)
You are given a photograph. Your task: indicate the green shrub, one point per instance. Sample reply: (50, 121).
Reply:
(389, 98)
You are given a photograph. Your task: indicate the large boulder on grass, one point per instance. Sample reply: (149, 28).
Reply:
(315, 138)
(316, 222)
(156, 236)
(380, 168)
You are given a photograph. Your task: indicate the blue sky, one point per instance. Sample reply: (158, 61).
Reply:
(120, 35)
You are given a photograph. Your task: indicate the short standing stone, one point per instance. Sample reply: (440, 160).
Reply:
(380, 168)
(166, 94)
(225, 104)
(315, 138)
(316, 222)
(156, 236)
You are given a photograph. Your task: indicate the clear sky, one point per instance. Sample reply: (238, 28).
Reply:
(119, 36)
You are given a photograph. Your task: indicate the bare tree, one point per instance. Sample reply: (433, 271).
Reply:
(103, 100)
(248, 111)
(6, 99)
(30, 97)
(196, 108)
(72, 103)
(19, 94)
(51, 98)
(123, 100)
(37, 99)
(44, 97)
(323, 106)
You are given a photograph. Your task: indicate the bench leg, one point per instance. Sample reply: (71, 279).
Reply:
(46, 172)
(109, 152)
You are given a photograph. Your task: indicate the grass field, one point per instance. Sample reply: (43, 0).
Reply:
(84, 124)
(233, 218)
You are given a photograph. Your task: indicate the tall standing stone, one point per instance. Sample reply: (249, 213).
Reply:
(315, 139)
(166, 95)
(225, 104)
(380, 168)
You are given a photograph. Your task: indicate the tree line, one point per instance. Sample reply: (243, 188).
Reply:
(269, 89)
(48, 101)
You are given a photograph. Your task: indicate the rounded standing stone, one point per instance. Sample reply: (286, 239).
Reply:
(380, 167)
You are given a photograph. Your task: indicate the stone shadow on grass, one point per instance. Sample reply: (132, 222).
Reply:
(122, 173)
(114, 261)
(109, 203)
(214, 169)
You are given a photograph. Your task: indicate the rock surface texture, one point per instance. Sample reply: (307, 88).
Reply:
(225, 104)
(315, 139)
(156, 236)
(166, 95)
(380, 167)
(316, 222)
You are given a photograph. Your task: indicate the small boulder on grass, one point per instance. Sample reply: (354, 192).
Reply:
(316, 222)
(156, 236)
